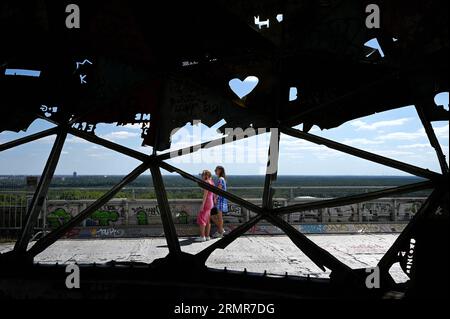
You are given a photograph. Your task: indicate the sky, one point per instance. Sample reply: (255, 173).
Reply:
(397, 134)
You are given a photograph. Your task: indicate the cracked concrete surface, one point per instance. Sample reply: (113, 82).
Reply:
(275, 254)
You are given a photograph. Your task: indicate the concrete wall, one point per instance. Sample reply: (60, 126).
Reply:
(137, 218)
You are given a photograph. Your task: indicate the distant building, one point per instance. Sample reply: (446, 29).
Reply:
(74, 174)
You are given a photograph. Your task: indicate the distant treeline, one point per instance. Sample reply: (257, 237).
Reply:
(17, 182)
(75, 186)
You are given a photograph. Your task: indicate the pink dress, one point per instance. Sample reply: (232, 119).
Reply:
(204, 215)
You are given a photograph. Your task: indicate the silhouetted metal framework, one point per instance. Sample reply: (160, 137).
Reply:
(282, 55)
(322, 258)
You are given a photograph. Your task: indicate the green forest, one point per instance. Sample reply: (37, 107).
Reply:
(92, 187)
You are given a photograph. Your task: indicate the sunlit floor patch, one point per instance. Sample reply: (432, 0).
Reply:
(274, 254)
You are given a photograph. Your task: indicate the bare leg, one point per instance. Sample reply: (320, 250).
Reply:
(219, 222)
(202, 230)
(215, 220)
(207, 229)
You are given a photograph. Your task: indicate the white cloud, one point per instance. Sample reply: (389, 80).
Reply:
(402, 136)
(47, 139)
(361, 125)
(360, 141)
(441, 132)
(393, 153)
(98, 155)
(314, 129)
(132, 126)
(413, 146)
(76, 140)
(291, 146)
(120, 135)
(145, 149)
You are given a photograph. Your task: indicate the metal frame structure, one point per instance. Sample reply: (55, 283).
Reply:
(156, 162)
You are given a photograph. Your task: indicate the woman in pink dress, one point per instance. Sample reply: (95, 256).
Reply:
(204, 215)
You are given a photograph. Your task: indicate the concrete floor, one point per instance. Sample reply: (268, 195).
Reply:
(276, 254)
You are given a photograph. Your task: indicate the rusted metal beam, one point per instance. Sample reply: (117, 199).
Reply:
(354, 199)
(318, 255)
(427, 208)
(41, 192)
(27, 139)
(272, 168)
(411, 169)
(432, 138)
(53, 236)
(165, 213)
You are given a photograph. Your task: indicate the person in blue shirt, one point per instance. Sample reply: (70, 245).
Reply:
(221, 203)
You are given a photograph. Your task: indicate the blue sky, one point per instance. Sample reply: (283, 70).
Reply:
(397, 134)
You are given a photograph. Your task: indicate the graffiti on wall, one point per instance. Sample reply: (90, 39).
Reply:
(182, 217)
(58, 217)
(118, 218)
(346, 213)
(109, 232)
(259, 229)
(105, 217)
(150, 214)
(141, 217)
(312, 228)
(377, 211)
(306, 216)
(406, 210)
(62, 215)
(234, 209)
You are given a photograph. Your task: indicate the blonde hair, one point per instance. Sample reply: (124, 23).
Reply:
(206, 173)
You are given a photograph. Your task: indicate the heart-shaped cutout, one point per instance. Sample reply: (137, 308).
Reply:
(243, 88)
